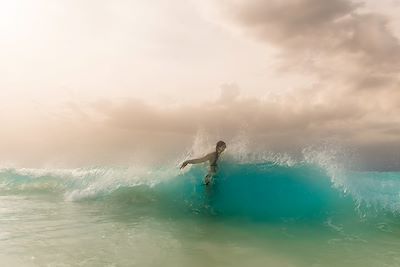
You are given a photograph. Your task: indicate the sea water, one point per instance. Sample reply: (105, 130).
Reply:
(254, 214)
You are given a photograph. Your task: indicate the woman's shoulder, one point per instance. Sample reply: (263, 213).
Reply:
(211, 155)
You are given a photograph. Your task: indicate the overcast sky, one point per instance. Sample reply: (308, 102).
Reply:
(90, 82)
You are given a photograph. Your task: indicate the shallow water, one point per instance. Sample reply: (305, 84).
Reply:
(255, 215)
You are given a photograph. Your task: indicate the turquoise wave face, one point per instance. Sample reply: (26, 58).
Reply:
(258, 192)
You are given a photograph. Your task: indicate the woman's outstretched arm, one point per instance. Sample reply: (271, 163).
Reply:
(195, 161)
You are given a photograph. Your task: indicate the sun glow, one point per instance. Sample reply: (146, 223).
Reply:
(15, 18)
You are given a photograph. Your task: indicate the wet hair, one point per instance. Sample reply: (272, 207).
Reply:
(219, 144)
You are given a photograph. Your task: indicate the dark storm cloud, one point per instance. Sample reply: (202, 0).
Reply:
(338, 33)
(280, 124)
(290, 21)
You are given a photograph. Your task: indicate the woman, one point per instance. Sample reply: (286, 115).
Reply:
(212, 159)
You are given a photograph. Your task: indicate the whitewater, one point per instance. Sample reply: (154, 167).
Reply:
(260, 211)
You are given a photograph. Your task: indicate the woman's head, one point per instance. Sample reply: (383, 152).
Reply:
(220, 147)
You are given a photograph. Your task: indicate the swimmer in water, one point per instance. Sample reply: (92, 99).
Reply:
(212, 158)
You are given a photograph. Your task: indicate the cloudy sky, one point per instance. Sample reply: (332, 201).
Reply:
(110, 82)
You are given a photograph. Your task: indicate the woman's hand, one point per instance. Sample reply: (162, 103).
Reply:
(184, 164)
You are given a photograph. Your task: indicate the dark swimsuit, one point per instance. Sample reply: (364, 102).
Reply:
(213, 168)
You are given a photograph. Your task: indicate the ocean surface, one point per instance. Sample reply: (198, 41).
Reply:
(256, 213)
